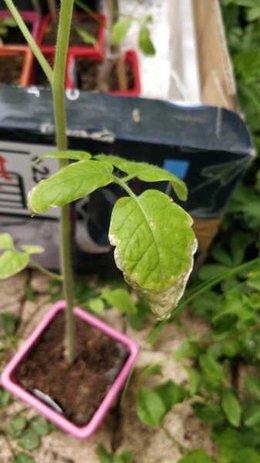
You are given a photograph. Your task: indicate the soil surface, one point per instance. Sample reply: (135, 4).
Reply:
(11, 68)
(14, 35)
(77, 389)
(86, 24)
(87, 75)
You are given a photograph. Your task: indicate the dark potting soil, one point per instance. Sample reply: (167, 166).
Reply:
(77, 389)
(14, 35)
(39, 78)
(11, 68)
(87, 24)
(87, 72)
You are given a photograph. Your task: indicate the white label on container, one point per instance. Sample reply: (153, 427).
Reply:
(19, 174)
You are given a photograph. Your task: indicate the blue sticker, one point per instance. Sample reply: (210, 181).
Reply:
(176, 167)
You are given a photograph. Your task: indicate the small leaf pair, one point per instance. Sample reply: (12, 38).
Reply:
(12, 261)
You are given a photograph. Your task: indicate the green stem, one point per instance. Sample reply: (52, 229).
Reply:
(58, 91)
(30, 40)
(43, 270)
(122, 183)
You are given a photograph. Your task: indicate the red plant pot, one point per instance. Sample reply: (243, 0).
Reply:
(30, 17)
(34, 79)
(12, 52)
(130, 57)
(44, 407)
(97, 50)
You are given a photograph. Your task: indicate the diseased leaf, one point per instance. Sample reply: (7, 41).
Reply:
(6, 241)
(69, 184)
(120, 30)
(32, 249)
(147, 173)
(12, 262)
(120, 299)
(231, 408)
(150, 407)
(154, 261)
(87, 38)
(73, 155)
(144, 41)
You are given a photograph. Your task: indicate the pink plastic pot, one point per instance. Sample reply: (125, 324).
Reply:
(130, 57)
(97, 50)
(83, 432)
(30, 17)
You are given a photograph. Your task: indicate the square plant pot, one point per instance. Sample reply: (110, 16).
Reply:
(14, 35)
(74, 80)
(11, 380)
(95, 50)
(15, 65)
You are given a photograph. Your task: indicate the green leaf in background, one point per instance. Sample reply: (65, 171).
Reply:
(29, 440)
(17, 426)
(23, 458)
(40, 426)
(120, 30)
(194, 380)
(213, 371)
(147, 173)
(252, 385)
(171, 394)
(145, 42)
(209, 271)
(32, 249)
(87, 38)
(12, 262)
(73, 155)
(150, 407)
(209, 413)
(69, 184)
(5, 398)
(196, 456)
(96, 305)
(252, 416)
(154, 261)
(120, 299)
(103, 455)
(231, 408)
(187, 349)
(9, 322)
(6, 241)
(153, 369)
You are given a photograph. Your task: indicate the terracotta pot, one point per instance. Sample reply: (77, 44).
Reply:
(130, 57)
(80, 432)
(28, 59)
(30, 17)
(97, 50)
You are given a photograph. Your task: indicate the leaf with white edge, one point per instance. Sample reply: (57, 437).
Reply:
(147, 173)
(73, 155)
(69, 184)
(6, 241)
(231, 408)
(32, 249)
(150, 407)
(154, 247)
(12, 262)
(120, 30)
(120, 299)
